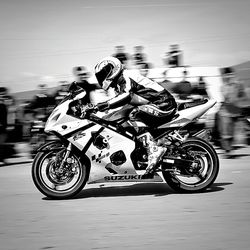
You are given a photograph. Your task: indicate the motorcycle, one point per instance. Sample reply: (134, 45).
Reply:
(93, 147)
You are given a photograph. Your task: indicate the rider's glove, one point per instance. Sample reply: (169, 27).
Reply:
(102, 106)
(90, 108)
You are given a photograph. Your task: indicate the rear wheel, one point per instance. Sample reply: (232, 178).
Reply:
(199, 175)
(56, 181)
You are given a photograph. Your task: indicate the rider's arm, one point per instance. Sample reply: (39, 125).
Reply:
(115, 102)
(119, 100)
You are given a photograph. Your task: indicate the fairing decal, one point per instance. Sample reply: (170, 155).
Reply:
(127, 178)
(101, 162)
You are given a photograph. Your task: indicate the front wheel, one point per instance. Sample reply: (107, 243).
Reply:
(59, 181)
(199, 175)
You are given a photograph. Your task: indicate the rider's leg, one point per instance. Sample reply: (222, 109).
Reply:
(154, 151)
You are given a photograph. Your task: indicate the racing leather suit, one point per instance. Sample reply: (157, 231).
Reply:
(135, 89)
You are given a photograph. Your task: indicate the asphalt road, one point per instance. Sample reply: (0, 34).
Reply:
(133, 216)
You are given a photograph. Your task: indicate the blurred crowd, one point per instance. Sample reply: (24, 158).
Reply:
(171, 58)
(16, 118)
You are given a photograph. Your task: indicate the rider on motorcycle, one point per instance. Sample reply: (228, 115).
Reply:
(137, 90)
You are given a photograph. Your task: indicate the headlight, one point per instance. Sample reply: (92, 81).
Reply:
(52, 120)
(55, 118)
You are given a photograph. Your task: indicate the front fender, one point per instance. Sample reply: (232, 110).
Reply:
(52, 144)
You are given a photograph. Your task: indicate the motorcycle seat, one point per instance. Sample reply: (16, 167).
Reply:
(191, 104)
(152, 116)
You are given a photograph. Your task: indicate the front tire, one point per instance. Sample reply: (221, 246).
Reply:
(208, 161)
(57, 184)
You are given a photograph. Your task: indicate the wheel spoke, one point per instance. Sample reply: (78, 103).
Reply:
(59, 182)
(200, 176)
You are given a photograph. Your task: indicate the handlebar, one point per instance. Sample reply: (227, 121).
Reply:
(88, 109)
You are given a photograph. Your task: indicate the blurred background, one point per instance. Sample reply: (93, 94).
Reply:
(191, 47)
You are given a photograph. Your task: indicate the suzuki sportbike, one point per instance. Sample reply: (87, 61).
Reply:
(94, 147)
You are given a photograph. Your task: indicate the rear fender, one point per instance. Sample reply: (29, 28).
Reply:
(203, 134)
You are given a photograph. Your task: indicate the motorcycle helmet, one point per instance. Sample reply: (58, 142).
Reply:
(107, 71)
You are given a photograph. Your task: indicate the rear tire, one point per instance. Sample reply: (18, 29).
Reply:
(209, 168)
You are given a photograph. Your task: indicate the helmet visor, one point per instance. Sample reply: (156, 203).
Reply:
(103, 75)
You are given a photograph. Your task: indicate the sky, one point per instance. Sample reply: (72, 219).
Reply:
(41, 41)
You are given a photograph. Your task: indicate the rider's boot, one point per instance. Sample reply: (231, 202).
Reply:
(154, 151)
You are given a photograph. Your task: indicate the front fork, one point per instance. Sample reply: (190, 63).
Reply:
(66, 156)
